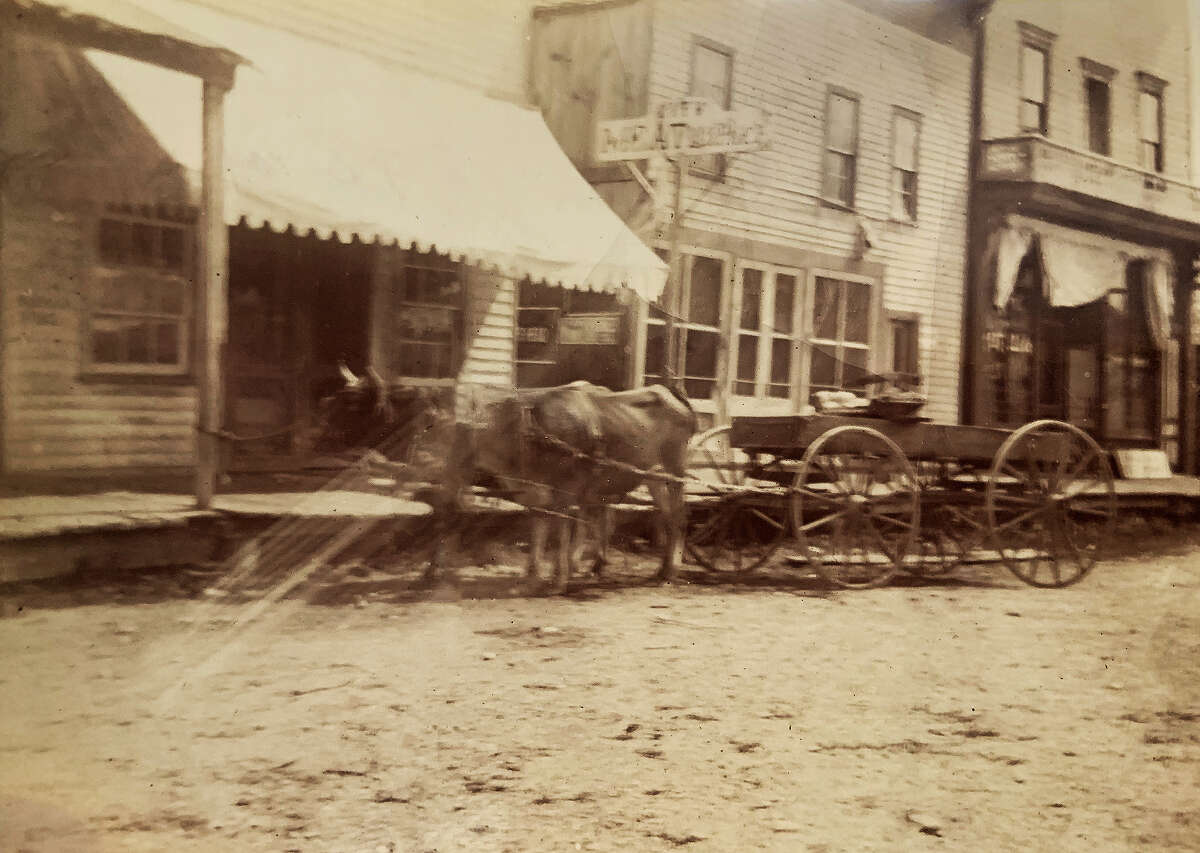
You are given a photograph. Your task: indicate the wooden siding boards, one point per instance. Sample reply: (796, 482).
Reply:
(786, 55)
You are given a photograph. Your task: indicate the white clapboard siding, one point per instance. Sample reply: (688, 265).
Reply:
(786, 56)
(491, 315)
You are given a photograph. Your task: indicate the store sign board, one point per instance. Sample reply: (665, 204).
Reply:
(590, 329)
(684, 127)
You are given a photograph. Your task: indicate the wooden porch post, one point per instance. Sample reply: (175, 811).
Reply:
(212, 294)
(1189, 435)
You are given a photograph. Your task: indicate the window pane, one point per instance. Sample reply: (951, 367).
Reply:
(106, 340)
(904, 346)
(145, 249)
(1031, 116)
(747, 364)
(710, 75)
(785, 295)
(167, 343)
(858, 312)
(704, 301)
(1148, 116)
(114, 241)
(1098, 115)
(700, 357)
(854, 365)
(824, 372)
(839, 177)
(173, 248)
(751, 298)
(655, 347)
(825, 307)
(171, 294)
(904, 148)
(843, 113)
(1033, 74)
(137, 342)
(781, 366)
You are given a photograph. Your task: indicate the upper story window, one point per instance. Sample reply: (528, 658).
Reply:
(1097, 92)
(1150, 121)
(139, 311)
(1035, 78)
(712, 78)
(841, 147)
(906, 129)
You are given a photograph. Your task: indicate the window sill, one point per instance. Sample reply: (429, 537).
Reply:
(838, 205)
(132, 377)
(902, 220)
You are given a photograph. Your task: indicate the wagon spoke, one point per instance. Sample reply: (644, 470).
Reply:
(821, 496)
(1020, 519)
(700, 533)
(718, 466)
(825, 519)
(834, 475)
(883, 545)
(1092, 511)
(896, 522)
(758, 513)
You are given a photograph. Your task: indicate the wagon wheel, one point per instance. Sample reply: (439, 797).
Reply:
(1050, 503)
(952, 521)
(856, 507)
(741, 519)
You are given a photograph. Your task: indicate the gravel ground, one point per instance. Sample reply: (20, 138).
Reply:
(179, 710)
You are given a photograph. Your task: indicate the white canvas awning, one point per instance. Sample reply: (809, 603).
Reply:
(323, 139)
(1077, 267)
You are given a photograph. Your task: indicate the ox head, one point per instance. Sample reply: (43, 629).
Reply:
(353, 414)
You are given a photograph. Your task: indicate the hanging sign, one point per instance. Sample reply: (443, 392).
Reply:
(594, 329)
(684, 127)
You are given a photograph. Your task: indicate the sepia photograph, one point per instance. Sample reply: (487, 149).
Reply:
(599, 425)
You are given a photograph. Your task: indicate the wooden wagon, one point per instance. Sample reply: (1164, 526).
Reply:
(865, 497)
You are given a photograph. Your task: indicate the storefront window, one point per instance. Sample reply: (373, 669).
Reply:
(841, 324)
(698, 328)
(427, 310)
(766, 328)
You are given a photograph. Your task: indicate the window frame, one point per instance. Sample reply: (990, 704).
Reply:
(895, 318)
(711, 166)
(811, 340)
(1095, 72)
(399, 263)
(909, 216)
(1148, 84)
(683, 324)
(827, 148)
(102, 269)
(1035, 38)
(765, 334)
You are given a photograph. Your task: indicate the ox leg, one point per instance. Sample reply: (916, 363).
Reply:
(564, 558)
(603, 533)
(539, 527)
(668, 498)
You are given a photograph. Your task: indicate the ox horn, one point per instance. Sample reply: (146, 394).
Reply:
(352, 381)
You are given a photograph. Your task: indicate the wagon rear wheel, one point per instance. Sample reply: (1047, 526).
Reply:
(855, 507)
(738, 520)
(1050, 503)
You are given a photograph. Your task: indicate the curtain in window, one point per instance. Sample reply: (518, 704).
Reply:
(1160, 301)
(1009, 248)
(1076, 273)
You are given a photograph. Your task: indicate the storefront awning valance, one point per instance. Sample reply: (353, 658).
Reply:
(1076, 268)
(323, 139)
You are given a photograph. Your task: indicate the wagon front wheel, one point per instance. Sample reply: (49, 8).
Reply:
(855, 507)
(736, 520)
(1050, 503)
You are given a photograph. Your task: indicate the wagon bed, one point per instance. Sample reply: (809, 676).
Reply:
(866, 497)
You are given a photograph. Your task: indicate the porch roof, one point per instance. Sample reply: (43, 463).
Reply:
(324, 139)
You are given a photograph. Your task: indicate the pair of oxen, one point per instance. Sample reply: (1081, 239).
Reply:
(563, 452)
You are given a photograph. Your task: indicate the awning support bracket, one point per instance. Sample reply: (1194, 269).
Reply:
(642, 180)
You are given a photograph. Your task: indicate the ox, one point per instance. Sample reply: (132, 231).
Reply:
(578, 446)
(559, 451)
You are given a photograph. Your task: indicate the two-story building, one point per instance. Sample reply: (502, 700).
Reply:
(1085, 219)
(837, 252)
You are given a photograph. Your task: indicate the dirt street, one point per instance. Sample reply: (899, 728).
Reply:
(165, 712)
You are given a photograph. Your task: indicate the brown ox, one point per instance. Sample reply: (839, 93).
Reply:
(574, 447)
